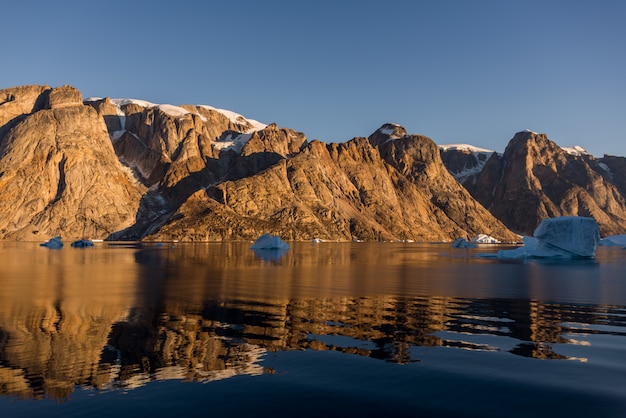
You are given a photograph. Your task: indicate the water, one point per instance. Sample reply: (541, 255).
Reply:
(352, 329)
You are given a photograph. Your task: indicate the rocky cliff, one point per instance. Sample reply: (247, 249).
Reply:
(536, 179)
(59, 174)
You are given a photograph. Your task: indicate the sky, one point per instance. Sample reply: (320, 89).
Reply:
(458, 71)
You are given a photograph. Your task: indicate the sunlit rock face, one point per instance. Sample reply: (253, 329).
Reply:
(398, 189)
(131, 169)
(58, 172)
(536, 179)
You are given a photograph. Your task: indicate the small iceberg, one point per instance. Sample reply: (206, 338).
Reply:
(614, 241)
(53, 243)
(269, 248)
(485, 239)
(462, 243)
(269, 242)
(82, 243)
(562, 237)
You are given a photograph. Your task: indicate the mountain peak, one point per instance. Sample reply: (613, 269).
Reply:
(386, 132)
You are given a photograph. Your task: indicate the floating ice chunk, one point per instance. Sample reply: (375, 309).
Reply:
(485, 239)
(462, 243)
(574, 235)
(269, 242)
(53, 243)
(614, 241)
(82, 243)
(563, 237)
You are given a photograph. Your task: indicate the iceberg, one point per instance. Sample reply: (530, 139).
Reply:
(82, 243)
(462, 243)
(614, 241)
(485, 239)
(269, 248)
(53, 243)
(269, 242)
(562, 237)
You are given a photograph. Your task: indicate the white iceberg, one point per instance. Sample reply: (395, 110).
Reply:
(462, 243)
(563, 237)
(614, 241)
(485, 239)
(53, 243)
(269, 242)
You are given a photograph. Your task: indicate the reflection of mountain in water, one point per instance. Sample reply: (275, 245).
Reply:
(227, 338)
(120, 319)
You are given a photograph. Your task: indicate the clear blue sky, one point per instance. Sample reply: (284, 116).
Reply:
(465, 71)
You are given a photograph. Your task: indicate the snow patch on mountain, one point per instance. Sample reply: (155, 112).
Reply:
(232, 141)
(575, 150)
(237, 118)
(168, 109)
(607, 169)
(391, 130)
(481, 155)
(465, 147)
(174, 111)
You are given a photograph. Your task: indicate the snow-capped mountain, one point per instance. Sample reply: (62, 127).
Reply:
(535, 179)
(464, 161)
(132, 169)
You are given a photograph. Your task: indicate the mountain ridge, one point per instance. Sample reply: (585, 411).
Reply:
(199, 173)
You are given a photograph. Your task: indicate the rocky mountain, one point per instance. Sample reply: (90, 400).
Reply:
(536, 179)
(383, 187)
(125, 169)
(59, 174)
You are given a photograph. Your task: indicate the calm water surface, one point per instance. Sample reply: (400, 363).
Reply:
(353, 329)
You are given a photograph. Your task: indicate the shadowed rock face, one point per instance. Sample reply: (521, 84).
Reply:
(536, 179)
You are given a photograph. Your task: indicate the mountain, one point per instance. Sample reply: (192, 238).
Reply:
(536, 179)
(127, 169)
(398, 189)
(59, 174)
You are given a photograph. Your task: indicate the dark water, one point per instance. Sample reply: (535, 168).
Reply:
(324, 329)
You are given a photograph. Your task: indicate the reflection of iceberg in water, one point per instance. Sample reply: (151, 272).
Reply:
(268, 255)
